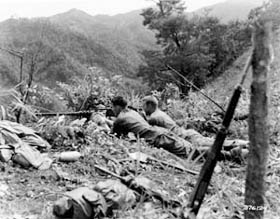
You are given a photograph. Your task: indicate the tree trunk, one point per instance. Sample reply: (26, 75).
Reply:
(258, 122)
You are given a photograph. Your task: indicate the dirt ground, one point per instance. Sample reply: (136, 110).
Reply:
(30, 193)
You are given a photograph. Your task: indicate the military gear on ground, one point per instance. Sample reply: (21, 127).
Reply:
(81, 203)
(117, 195)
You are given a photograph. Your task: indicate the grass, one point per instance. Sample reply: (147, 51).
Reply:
(225, 197)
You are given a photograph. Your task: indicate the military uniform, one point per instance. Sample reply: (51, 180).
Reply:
(131, 121)
(161, 119)
(201, 143)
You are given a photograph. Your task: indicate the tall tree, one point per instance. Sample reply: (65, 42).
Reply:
(199, 47)
(181, 40)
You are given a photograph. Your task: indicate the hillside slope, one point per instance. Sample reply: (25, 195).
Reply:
(222, 88)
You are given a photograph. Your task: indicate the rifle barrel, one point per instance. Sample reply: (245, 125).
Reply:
(174, 166)
(109, 172)
(207, 169)
(78, 113)
(211, 160)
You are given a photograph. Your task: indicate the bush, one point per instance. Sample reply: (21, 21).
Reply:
(44, 99)
(96, 89)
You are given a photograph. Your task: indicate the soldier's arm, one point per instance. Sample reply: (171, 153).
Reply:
(118, 127)
(114, 128)
(156, 122)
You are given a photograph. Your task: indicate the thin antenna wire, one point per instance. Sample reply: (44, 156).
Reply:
(190, 83)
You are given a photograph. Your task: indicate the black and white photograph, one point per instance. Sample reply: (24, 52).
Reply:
(139, 109)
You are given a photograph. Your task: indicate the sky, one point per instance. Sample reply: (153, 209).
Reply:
(44, 8)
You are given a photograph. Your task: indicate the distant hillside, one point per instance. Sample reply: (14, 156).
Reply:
(59, 53)
(77, 40)
(231, 9)
(122, 34)
(222, 87)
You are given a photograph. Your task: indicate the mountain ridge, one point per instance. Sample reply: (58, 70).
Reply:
(114, 42)
(74, 50)
(124, 36)
(230, 10)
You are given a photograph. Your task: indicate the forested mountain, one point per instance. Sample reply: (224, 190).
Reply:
(231, 9)
(64, 45)
(57, 53)
(122, 34)
(127, 27)
(80, 40)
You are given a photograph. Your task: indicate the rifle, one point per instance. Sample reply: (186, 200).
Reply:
(177, 167)
(142, 189)
(147, 158)
(81, 113)
(207, 170)
(78, 113)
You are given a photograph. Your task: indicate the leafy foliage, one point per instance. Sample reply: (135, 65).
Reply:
(200, 48)
(97, 89)
(268, 11)
(11, 103)
(87, 93)
(44, 99)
